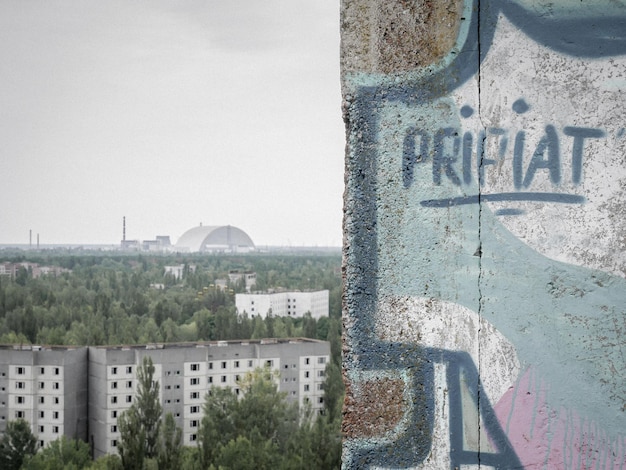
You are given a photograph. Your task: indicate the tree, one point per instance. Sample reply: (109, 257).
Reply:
(140, 424)
(17, 444)
(61, 454)
(170, 448)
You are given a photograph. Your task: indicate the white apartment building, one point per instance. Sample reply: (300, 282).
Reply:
(46, 387)
(284, 304)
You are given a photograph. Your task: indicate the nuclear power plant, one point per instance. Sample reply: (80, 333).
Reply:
(200, 239)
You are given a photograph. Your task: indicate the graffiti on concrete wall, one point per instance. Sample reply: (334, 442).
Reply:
(485, 220)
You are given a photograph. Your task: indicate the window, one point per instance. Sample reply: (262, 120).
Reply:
(269, 363)
(320, 386)
(55, 415)
(194, 381)
(129, 398)
(237, 391)
(20, 370)
(193, 437)
(55, 429)
(306, 387)
(42, 370)
(41, 415)
(223, 364)
(42, 400)
(113, 400)
(178, 400)
(56, 371)
(210, 365)
(114, 370)
(195, 395)
(321, 373)
(194, 409)
(249, 363)
(55, 385)
(307, 374)
(19, 400)
(41, 443)
(56, 400)
(113, 384)
(320, 400)
(41, 385)
(129, 384)
(321, 360)
(19, 414)
(237, 364)
(193, 423)
(210, 380)
(223, 379)
(114, 414)
(168, 387)
(177, 387)
(114, 443)
(195, 367)
(286, 366)
(20, 385)
(129, 369)
(307, 361)
(114, 428)
(237, 378)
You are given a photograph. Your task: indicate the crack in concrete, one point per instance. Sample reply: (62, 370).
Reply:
(480, 250)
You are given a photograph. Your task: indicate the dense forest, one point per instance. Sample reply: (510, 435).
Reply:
(119, 298)
(129, 299)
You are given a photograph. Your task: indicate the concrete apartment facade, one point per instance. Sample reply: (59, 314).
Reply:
(284, 304)
(47, 387)
(82, 392)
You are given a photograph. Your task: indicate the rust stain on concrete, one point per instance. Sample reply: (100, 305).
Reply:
(373, 408)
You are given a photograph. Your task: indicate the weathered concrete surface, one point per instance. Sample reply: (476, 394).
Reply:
(485, 222)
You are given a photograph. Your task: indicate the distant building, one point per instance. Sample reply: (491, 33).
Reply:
(215, 239)
(248, 277)
(284, 304)
(81, 392)
(178, 270)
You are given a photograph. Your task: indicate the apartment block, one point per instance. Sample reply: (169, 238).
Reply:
(284, 304)
(47, 387)
(81, 392)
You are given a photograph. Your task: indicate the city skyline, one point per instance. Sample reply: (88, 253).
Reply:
(170, 114)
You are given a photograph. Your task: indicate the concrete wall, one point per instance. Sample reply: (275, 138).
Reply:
(485, 222)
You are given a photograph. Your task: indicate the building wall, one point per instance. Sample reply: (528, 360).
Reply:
(281, 304)
(484, 219)
(46, 387)
(186, 373)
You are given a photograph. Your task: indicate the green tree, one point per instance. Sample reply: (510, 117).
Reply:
(17, 444)
(61, 454)
(140, 424)
(170, 448)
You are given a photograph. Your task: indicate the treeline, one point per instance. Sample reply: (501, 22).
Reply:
(127, 299)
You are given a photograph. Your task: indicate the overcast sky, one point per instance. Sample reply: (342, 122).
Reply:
(171, 113)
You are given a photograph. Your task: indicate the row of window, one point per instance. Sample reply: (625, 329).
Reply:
(129, 399)
(19, 370)
(42, 385)
(55, 429)
(129, 370)
(129, 384)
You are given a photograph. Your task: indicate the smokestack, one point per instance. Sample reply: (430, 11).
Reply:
(38, 241)
(124, 229)
(30, 238)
